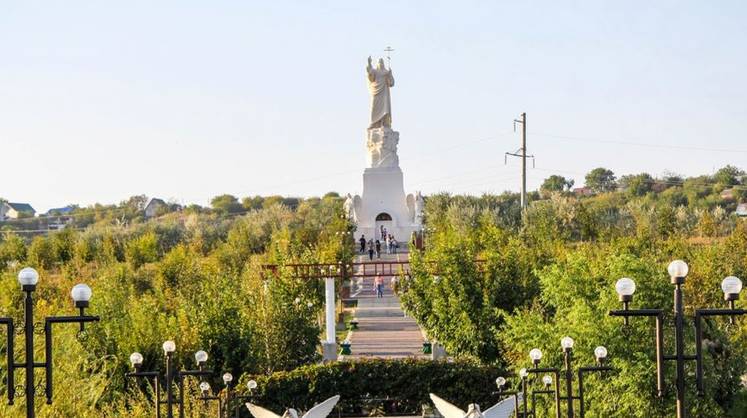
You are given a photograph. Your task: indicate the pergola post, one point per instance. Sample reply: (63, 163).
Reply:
(330, 346)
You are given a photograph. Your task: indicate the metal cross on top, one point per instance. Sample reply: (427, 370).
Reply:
(388, 50)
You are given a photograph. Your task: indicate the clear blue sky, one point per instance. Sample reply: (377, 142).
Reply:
(185, 100)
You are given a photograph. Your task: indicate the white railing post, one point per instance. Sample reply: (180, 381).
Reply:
(329, 346)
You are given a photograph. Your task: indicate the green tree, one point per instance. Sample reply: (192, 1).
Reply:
(272, 201)
(637, 184)
(12, 249)
(577, 291)
(42, 253)
(252, 203)
(556, 183)
(143, 249)
(601, 180)
(135, 203)
(226, 203)
(729, 175)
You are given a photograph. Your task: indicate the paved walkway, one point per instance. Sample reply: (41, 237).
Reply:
(383, 330)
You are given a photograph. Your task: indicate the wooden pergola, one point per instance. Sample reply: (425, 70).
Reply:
(342, 270)
(351, 270)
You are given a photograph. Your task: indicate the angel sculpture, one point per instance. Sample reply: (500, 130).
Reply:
(502, 409)
(317, 411)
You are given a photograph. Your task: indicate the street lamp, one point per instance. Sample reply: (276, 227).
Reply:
(500, 382)
(547, 381)
(523, 390)
(566, 343)
(170, 378)
(678, 269)
(536, 355)
(81, 295)
(206, 397)
(231, 396)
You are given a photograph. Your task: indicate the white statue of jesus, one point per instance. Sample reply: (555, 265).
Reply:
(380, 80)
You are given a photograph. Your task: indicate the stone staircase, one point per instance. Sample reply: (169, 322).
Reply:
(383, 329)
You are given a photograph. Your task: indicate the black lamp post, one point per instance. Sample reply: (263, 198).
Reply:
(206, 397)
(170, 378)
(28, 278)
(232, 397)
(567, 344)
(536, 355)
(528, 410)
(501, 383)
(678, 270)
(546, 383)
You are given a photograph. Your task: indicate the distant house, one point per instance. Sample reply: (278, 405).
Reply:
(60, 211)
(583, 191)
(154, 205)
(742, 209)
(16, 210)
(59, 218)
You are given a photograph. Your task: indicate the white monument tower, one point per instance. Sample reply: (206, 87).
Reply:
(383, 202)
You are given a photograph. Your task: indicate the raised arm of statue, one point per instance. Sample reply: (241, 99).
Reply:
(369, 70)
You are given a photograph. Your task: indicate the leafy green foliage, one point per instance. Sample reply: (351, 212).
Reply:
(601, 180)
(226, 204)
(411, 380)
(554, 276)
(556, 183)
(638, 184)
(196, 279)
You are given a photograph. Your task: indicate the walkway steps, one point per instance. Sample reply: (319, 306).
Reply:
(383, 329)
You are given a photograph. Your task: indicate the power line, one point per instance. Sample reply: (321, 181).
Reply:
(419, 157)
(638, 144)
(489, 180)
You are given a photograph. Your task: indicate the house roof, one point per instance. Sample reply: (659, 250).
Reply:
(21, 207)
(155, 201)
(742, 209)
(61, 211)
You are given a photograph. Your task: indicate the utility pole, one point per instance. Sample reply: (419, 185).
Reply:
(522, 153)
(523, 160)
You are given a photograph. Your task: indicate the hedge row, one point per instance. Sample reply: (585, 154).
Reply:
(391, 385)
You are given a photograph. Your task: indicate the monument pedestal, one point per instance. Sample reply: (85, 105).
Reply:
(383, 203)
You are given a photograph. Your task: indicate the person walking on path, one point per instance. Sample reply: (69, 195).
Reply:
(363, 243)
(378, 249)
(379, 285)
(395, 245)
(370, 249)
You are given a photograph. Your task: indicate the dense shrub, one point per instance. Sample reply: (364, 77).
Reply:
(410, 380)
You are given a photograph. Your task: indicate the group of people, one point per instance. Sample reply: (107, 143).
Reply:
(374, 246)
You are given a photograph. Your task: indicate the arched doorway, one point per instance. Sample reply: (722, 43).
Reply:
(383, 223)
